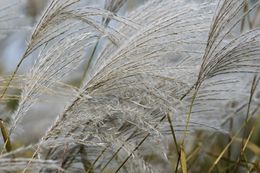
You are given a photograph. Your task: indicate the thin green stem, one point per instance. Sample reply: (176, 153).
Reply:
(174, 140)
(7, 141)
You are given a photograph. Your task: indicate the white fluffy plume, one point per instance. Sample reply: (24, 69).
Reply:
(168, 63)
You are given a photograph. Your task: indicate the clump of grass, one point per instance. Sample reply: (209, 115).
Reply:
(157, 75)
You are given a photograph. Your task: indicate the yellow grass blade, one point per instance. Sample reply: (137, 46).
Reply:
(183, 161)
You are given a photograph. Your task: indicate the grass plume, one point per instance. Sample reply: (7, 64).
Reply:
(162, 72)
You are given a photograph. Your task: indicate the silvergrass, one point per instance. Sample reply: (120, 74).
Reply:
(164, 58)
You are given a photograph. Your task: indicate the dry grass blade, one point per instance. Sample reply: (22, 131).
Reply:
(248, 139)
(249, 145)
